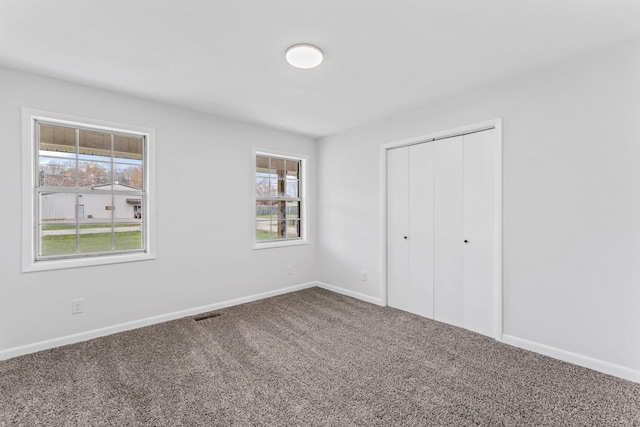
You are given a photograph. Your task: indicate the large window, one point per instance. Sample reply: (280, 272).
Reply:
(89, 191)
(280, 204)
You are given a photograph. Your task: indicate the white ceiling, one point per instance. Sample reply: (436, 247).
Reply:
(227, 56)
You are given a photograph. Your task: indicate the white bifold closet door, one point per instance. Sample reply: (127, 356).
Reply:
(448, 225)
(479, 228)
(410, 229)
(441, 231)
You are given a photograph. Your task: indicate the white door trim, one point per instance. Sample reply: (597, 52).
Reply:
(498, 284)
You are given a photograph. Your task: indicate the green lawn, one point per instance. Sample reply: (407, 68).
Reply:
(95, 242)
(73, 226)
(264, 235)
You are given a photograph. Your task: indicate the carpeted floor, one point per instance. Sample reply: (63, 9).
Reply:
(309, 358)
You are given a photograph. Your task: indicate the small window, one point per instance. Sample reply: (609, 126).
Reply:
(89, 187)
(280, 200)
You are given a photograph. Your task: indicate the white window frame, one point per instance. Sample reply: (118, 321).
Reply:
(29, 226)
(302, 188)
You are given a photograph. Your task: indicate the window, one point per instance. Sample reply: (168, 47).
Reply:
(89, 194)
(280, 200)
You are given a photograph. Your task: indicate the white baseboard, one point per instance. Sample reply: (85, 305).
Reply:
(96, 333)
(356, 295)
(575, 358)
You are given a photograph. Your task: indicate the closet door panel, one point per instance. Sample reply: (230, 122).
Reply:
(479, 231)
(448, 239)
(421, 229)
(398, 289)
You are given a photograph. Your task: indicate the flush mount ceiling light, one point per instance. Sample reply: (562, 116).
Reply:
(304, 56)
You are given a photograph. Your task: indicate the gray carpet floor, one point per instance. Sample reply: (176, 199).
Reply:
(309, 358)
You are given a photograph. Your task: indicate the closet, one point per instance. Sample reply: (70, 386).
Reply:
(441, 230)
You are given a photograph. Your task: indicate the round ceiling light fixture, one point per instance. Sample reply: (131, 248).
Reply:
(304, 56)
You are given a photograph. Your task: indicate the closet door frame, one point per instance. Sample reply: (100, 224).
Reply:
(498, 269)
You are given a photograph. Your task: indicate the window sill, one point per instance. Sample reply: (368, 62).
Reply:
(59, 264)
(280, 244)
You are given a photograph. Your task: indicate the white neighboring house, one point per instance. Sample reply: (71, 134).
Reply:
(63, 206)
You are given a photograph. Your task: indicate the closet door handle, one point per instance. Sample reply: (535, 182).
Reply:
(466, 242)
(405, 237)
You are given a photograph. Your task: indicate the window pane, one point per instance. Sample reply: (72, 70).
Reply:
(281, 187)
(263, 230)
(57, 172)
(293, 228)
(128, 155)
(57, 138)
(262, 164)
(281, 223)
(127, 208)
(293, 210)
(97, 206)
(266, 229)
(129, 175)
(273, 191)
(293, 168)
(57, 239)
(133, 210)
(94, 168)
(95, 237)
(94, 145)
(127, 148)
(264, 209)
(58, 207)
(128, 236)
(292, 188)
(277, 168)
(94, 174)
(263, 186)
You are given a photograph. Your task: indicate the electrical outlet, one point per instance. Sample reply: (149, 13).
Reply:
(363, 277)
(289, 270)
(77, 306)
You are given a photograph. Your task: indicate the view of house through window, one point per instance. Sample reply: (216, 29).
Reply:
(278, 198)
(90, 192)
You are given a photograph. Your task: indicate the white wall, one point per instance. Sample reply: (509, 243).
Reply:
(571, 204)
(204, 220)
